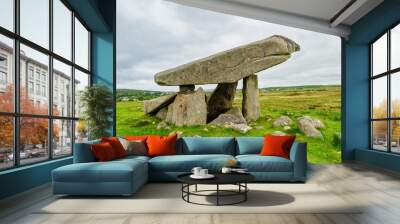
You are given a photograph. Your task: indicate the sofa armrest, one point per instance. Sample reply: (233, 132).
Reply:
(83, 152)
(298, 155)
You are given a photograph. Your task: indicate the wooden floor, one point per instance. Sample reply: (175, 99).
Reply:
(379, 189)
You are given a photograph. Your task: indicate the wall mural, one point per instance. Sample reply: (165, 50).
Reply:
(310, 112)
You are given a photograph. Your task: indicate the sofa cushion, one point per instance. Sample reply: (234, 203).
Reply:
(249, 145)
(103, 152)
(135, 147)
(112, 171)
(185, 163)
(206, 145)
(161, 145)
(257, 163)
(83, 152)
(277, 145)
(116, 145)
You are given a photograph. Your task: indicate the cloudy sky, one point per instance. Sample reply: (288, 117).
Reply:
(155, 35)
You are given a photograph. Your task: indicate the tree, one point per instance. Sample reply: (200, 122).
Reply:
(97, 104)
(33, 131)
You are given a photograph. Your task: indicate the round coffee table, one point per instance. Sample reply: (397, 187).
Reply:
(238, 179)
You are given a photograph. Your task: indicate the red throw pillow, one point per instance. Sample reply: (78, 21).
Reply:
(277, 145)
(135, 138)
(161, 145)
(116, 145)
(103, 152)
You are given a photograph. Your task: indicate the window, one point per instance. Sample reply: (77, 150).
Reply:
(44, 91)
(6, 142)
(34, 21)
(62, 31)
(3, 61)
(6, 73)
(385, 94)
(45, 131)
(81, 45)
(37, 75)
(62, 137)
(3, 78)
(81, 82)
(7, 14)
(38, 89)
(61, 74)
(33, 143)
(30, 88)
(30, 72)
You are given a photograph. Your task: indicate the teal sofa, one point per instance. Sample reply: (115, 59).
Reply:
(125, 176)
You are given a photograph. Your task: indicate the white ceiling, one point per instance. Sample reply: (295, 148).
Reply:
(325, 16)
(321, 9)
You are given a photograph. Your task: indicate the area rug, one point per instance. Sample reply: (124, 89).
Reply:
(166, 198)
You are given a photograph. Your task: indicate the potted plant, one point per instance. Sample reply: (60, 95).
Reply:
(97, 104)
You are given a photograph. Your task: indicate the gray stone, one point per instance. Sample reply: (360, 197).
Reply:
(308, 127)
(287, 128)
(232, 119)
(162, 113)
(242, 128)
(231, 65)
(282, 121)
(154, 105)
(233, 116)
(188, 109)
(162, 125)
(278, 133)
(187, 88)
(221, 100)
(251, 98)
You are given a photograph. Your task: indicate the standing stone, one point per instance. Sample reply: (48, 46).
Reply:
(162, 114)
(221, 100)
(188, 109)
(154, 105)
(251, 99)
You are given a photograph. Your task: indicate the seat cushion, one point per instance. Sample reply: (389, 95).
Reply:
(185, 163)
(257, 163)
(249, 145)
(206, 145)
(112, 171)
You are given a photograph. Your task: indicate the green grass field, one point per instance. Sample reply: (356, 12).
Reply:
(322, 102)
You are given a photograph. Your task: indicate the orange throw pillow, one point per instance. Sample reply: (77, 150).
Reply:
(161, 145)
(116, 145)
(277, 145)
(103, 152)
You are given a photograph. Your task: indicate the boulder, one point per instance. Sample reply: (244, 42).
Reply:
(232, 119)
(162, 125)
(188, 109)
(231, 65)
(154, 105)
(242, 128)
(307, 125)
(282, 121)
(251, 99)
(278, 133)
(233, 116)
(221, 100)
